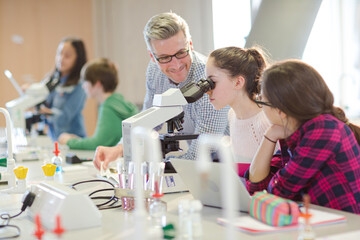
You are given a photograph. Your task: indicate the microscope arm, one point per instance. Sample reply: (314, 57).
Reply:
(149, 118)
(165, 106)
(17, 107)
(34, 95)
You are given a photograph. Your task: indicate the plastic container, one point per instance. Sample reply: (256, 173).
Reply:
(190, 226)
(57, 160)
(185, 225)
(128, 203)
(195, 213)
(157, 211)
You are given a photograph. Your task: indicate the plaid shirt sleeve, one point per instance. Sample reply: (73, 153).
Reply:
(317, 146)
(322, 159)
(276, 163)
(150, 87)
(152, 74)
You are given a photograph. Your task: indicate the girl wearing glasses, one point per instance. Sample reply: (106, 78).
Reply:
(319, 153)
(236, 73)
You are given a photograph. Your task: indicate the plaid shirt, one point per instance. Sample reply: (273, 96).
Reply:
(200, 116)
(322, 159)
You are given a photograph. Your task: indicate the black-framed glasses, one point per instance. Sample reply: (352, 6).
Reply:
(179, 55)
(260, 103)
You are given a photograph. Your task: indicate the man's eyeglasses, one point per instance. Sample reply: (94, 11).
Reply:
(179, 55)
(260, 103)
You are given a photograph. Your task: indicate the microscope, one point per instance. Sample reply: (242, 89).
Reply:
(32, 97)
(167, 107)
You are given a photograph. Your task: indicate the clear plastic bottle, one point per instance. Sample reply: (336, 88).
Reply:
(57, 160)
(185, 225)
(306, 232)
(33, 136)
(157, 210)
(195, 213)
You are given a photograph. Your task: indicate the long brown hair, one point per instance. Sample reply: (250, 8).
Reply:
(248, 63)
(81, 59)
(299, 91)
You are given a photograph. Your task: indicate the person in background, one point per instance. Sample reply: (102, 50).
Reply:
(319, 153)
(100, 79)
(64, 105)
(236, 73)
(173, 64)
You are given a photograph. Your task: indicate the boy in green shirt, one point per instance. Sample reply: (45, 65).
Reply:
(100, 81)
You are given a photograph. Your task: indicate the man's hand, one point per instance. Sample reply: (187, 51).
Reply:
(107, 155)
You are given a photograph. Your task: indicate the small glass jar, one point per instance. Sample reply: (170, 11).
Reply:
(157, 211)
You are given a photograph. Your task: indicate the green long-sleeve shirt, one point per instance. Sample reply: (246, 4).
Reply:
(108, 130)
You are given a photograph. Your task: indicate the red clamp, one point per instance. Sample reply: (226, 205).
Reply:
(59, 230)
(39, 230)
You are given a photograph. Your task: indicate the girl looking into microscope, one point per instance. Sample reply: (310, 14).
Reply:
(236, 73)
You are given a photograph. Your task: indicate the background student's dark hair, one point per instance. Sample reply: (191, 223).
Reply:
(299, 91)
(81, 59)
(101, 70)
(249, 63)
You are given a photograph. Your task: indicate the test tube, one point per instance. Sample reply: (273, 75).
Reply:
(152, 171)
(121, 173)
(144, 173)
(131, 175)
(160, 175)
(102, 171)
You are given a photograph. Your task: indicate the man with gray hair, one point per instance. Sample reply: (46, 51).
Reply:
(174, 64)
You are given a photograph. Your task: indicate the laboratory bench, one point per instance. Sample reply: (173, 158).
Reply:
(119, 224)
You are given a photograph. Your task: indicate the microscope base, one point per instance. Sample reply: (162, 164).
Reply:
(173, 183)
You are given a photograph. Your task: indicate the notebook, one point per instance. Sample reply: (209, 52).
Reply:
(209, 192)
(252, 226)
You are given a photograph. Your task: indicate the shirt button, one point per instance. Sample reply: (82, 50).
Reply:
(275, 181)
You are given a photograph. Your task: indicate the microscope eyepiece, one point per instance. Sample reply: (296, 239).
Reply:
(206, 85)
(195, 90)
(54, 80)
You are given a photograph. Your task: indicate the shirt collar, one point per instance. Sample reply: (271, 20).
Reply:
(64, 79)
(296, 137)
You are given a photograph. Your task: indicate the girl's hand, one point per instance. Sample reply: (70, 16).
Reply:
(276, 132)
